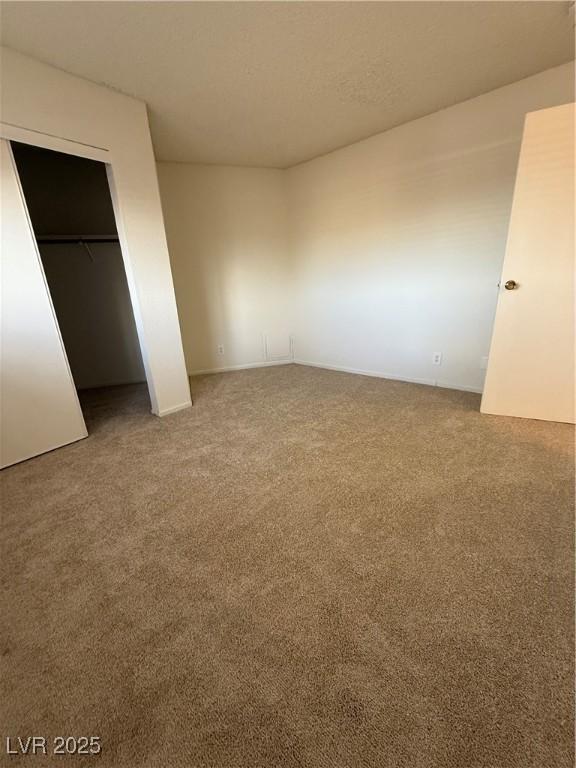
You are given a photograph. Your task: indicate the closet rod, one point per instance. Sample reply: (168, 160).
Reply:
(60, 240)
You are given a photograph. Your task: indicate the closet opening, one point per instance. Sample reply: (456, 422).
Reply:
(72, 216)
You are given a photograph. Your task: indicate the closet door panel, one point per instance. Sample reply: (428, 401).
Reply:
(38, 400)
(531, 364)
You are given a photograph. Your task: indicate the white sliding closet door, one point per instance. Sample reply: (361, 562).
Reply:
(39, 405)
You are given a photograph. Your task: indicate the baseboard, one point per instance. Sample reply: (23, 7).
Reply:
(362, 372)
(174, 409)
(460, 387)
(243, 367)
(391, 376)
(340, 368)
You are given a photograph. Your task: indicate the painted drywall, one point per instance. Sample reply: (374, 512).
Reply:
(65, 196)
(227, 237)
(40, 98)
(397, 242)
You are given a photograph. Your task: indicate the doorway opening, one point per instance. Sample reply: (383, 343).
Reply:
(70, 207)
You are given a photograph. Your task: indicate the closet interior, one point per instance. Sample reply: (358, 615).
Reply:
(70, 208)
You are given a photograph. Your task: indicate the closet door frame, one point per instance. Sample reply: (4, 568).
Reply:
(67, 146)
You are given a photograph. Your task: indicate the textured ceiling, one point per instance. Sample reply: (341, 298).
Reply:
(274, 84)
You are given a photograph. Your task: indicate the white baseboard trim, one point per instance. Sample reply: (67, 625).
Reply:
(174, 409)
(460, 387)
(392, 377)
(328, 367)
(362, 372)
(243, 367)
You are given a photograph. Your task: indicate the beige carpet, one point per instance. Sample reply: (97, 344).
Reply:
(308, 568)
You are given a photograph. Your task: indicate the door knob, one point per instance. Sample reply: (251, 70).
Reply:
(510, 285)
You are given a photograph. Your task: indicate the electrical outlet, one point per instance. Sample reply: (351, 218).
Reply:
(437, 358)
(484, 363)
(220, 349)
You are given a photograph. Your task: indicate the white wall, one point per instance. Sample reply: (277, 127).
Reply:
(392, 250)
(40, 98)
(227, 237)
(397, 241)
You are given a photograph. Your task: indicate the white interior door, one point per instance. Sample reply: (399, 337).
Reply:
(39, 404)
(531, 363)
